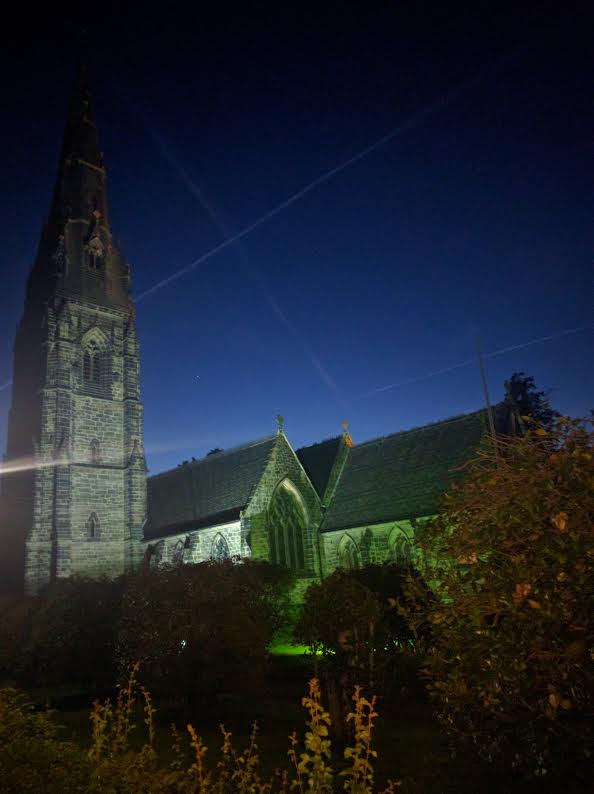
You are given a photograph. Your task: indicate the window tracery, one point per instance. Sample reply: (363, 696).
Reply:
(220, 548)
(348, 554)
(287, 524)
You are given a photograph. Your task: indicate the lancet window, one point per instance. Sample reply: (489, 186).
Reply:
(287, 524)
(92, 364)
(92, 527)
(348, 554)
(220, 548)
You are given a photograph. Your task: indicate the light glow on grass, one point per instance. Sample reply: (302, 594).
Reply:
(293, 649)
(289, 649)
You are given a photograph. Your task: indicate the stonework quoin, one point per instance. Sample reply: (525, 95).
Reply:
(75, 425)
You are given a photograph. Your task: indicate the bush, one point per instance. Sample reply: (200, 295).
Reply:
(32, 757)
(510, 664)
(14, 612)
(70, 634)
(198, 630)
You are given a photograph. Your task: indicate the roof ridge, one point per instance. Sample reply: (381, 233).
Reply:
(417, 428)
(218, 455)
(319, 443)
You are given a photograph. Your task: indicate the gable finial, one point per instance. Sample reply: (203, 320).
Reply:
(346, 435)
(280, 423)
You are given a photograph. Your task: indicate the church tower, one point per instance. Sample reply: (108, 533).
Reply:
(74, 496)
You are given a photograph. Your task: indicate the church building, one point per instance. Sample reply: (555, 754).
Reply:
(74, 497)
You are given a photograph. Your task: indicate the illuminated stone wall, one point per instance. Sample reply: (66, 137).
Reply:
(283, 465)
(89, 509)
(197, 545)
(373, 544)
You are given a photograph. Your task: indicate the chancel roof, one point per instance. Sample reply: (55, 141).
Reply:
(405, 474)
(205, 492)
(318, 460)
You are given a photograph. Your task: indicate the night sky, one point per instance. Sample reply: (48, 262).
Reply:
(474, 219)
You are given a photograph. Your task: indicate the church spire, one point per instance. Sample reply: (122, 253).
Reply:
(80, 187)
(78, 255)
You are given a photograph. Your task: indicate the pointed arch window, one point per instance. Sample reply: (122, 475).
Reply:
(92, 527)
(287, 525)
(348, 554)
(220, 548)
(92, 364)
(177, 553)
(401, 546)
(95, 255)
(94, 451)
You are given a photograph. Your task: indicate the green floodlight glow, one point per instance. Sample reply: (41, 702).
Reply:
(290, 649)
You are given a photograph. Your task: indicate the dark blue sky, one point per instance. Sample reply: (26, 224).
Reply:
(475, 220)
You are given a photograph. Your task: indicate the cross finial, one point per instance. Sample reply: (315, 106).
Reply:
(346, 435)
(280, 423)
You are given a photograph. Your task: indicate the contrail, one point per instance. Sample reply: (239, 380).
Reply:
(253, 271)
(414, 120)
(470, 361)
(6, 385)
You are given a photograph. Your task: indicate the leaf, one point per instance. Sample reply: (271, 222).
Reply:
(540, 431)
(534, 604)
(575, 648)
(560, 521)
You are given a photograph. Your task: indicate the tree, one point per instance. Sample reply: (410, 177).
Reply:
(511, 561)
(532, 403)
(201, 629)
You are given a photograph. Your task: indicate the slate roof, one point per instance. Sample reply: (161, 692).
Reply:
(205, 492)
(405, 474)
(317, 460)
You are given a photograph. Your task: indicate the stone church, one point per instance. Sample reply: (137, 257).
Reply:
(75, 498)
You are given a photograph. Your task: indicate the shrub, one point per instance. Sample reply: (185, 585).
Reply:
(14, 612)
(350, 619)
(510, 664)
(70, 634)
(32, 756)
(201, 629)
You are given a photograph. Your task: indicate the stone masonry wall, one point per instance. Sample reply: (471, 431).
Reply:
(93, 431)
(283, 464)
(197, 544)
(375, 544)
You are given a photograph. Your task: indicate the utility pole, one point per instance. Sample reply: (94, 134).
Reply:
(481, 363)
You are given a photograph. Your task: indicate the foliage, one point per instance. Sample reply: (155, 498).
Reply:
(510, 664)
(14, 612)
(351, 620)
(70, 634)
(201, 629)
(338, 617)
(32, 758)
(530, 402)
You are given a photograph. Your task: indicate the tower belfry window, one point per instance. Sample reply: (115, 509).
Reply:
(95, 255)
(92, 527)
(92, 364)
